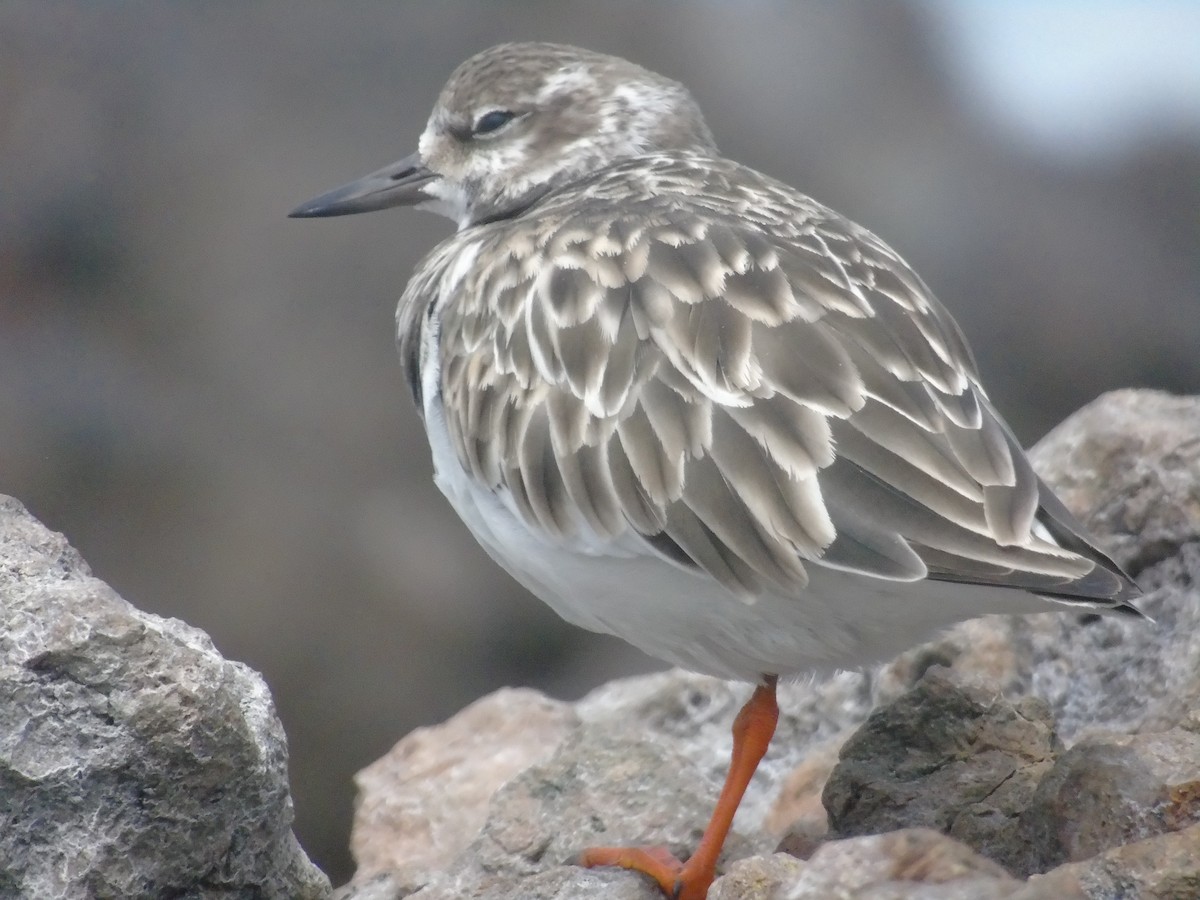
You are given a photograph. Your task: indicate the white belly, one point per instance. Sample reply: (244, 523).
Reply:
(686, 618)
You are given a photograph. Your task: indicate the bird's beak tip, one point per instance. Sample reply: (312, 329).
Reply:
(305, 211)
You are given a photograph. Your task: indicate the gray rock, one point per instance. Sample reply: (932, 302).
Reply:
(1166, 867)
(135, 762)
(992, 774)
(952, 757)
(595, 790)
(639, 760)
(1106, 792)
(691, 715)
(425, 801)
(917, 863)
(757, 878)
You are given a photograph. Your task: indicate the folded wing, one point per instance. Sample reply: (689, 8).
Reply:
(749, 398)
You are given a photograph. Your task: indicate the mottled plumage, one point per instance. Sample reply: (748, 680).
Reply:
(638, 357)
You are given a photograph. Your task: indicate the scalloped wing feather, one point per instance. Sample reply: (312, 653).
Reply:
(737, 374)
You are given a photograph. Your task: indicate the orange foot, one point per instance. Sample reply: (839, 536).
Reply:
(752, 731)
(678, 880)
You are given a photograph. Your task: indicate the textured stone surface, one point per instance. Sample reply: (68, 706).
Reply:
(1166, 867)
(424, 802)
(135, 761)
(641, 761)
(992, 774)
(799, 812)
(1108, 791)
(954, 757)
(757, 878)
(691, 715)
(913, 863)
(596, 789)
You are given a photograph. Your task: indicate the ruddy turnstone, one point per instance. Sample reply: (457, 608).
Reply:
(685, 404)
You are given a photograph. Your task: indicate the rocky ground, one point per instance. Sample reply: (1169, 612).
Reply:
(1053, 756)
(134, 760)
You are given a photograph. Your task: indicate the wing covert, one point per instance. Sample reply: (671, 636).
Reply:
(751, 399)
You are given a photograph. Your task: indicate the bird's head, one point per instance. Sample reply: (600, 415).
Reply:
(519, 120)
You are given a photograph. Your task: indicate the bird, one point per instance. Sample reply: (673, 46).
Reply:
(688, 405)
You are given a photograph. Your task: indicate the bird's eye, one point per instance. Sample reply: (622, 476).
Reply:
(492, 121)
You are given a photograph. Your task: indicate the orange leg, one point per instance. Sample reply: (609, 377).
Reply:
(752, 731)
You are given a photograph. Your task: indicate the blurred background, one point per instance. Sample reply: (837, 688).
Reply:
(205, 397)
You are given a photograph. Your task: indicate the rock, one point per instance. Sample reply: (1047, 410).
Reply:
(1108, 791)
(638, 760)
(425, 801)
(799, 813)
(757, 878)
(917, 863)
(989, 772)
(956, 758)
(597, 789)
(692, 715)
(1166, 867)
(135, 761)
